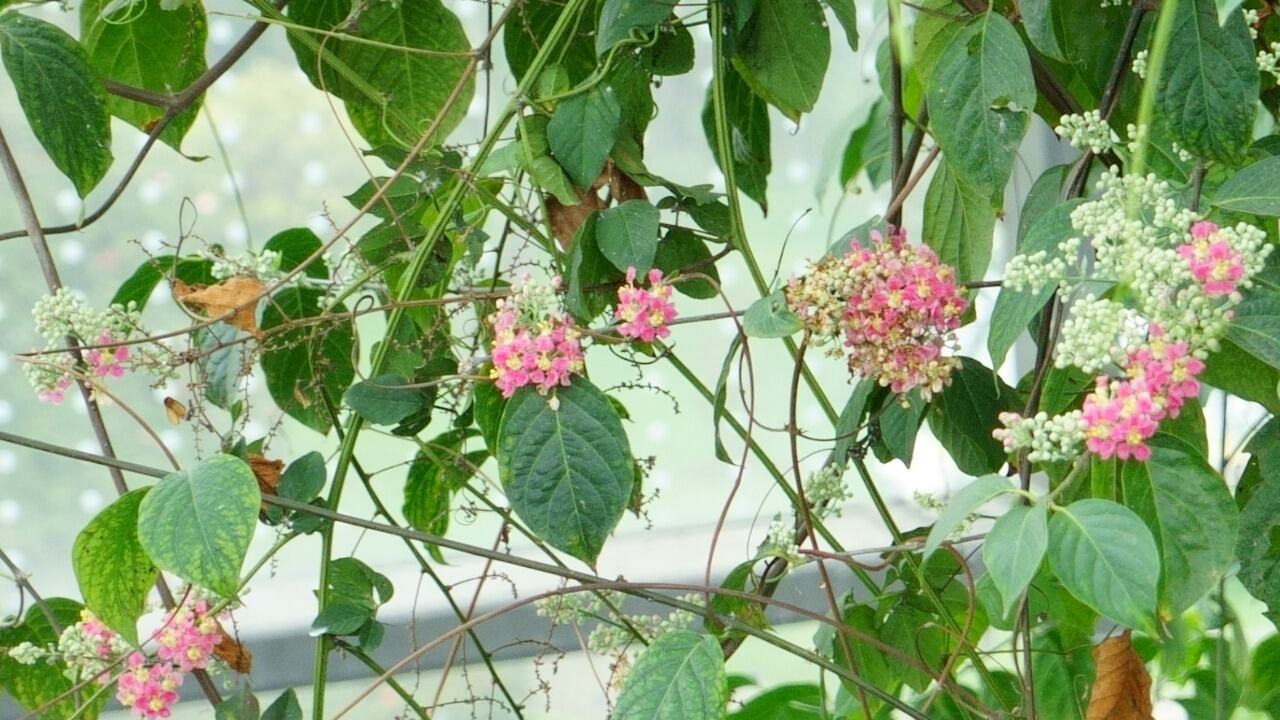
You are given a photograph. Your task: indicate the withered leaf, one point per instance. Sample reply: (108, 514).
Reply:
(237, 295)
(230, 651)
(622, 188)
(566, 219)
(267, 472)
(1122, 687)
(175, 411)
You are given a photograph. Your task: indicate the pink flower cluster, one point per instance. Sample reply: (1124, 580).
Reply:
(188, 637)
(148, 690)
(107, 361)
(57, 393)
(544, 354)
(1120, 416)
(897, 307)
(645, 314)
(1214, 263)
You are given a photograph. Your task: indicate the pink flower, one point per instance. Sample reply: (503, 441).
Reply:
(544, 354)
(1168, 369)
(107, 361)
(894, 304)
(149, 691)
(188, 637)
(645, 314)
(1214, 264)
(1119, 417)
(55, 394)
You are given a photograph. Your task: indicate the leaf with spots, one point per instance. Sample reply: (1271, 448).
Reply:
(113, 571)
(680, 676)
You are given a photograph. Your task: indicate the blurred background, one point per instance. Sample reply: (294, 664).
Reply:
(275, 156)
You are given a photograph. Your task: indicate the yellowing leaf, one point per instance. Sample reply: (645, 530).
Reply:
(1122, 687)
(238, 296)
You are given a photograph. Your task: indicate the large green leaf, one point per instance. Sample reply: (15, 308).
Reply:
(1014, 549)
(61, 95)
(392, 95)
(680, 676)
(1258, 546)
(963, 504)
(588, 270)
(1243, 375)
(139, 286)
(1191, 514)
(582, 133)
(534, 153)
(627, 235)
(958, 224)
(980, 97)
(302, 362)
(619, 17)
(113, 571)
(383, 401)
(285, 707)
(197, 523)
(801, 701)
(1105, 556)
(1037, 21)
(150, 47)
(38, 685)
(748, 118)
(566, 466)
(868, 149)
(1209, 84)
(296, 245)
(783, 54)
(683, 251)
(526, 32)
(1254, 189)
(1256, 327)
(963, 415)
(438, 471)
(1015, 308)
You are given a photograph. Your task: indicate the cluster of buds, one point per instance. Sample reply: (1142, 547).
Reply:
(894, 305)
(644, 314)
(535, 342)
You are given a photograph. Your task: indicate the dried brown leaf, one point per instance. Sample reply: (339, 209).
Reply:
(175, 411)
(1121, 687)
(237, 295)
(622, 188)
(566, 219)
(230, 651)
(267, 472)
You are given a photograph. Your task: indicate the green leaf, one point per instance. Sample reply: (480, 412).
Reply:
(1258, 544)
(963, 504)
(61, 95)
(113, 571)
(769, 317)
(1105, 556)
(240, 705)
(582, 132)
(680, 676)
(1014, 309)
(1243, 375)
(197, 523)
(1254, 189)
(868, 149)
(340, 619)
(619, 17)
(526, 32)
(1209, 86)
(1191, 514)
(898, 425)
(783, 53)
(627, 235)
(748, 118)
(285, 707)
(682, 249)
(567, 470)
(799, 701)
(489, 405)
(302, 362)
(295, 245)
(963, 415)
(958, 224)
(672, 53)
(139, 287)
(980, 97)
(535, 158)
(392, 96)
(851, 419)
(149, 47)
(222, 363)
(437, 472)
(1256, 327)
(304, 478)
(847, 15)
(1037, 21)
(382, 400)
(588, 267)
(38, 685)
(353, 582)
(1013, 550)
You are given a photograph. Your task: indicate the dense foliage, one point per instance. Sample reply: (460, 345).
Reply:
(1092, 548)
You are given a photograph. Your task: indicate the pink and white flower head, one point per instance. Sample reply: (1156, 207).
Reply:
(1214, 263)
(188, 636)
(894, 305)
(1119, 417)
(106, 362)
(148, 690)
(1169, 370)
(644, 314)
(534, 343)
